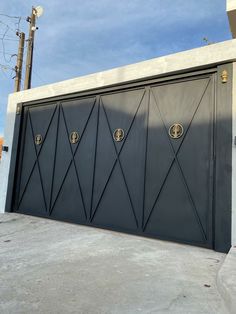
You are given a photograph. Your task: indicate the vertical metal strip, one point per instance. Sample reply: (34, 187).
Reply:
(98, 101)
(54, 160)
(146, 151)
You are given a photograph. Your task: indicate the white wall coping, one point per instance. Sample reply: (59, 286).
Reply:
(195, 58)
(231, 12)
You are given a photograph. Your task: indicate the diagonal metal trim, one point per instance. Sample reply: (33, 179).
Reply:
(146, 150)
(175, 153)
(37, 156)
(73, 161)
(55, 150)
(95, 156)
(121, 168)
(82, 133)
(113, 167)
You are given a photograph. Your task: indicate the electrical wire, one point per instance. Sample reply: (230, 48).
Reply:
(10, 16)
(9, 28)
(8, 53)
(3, 38)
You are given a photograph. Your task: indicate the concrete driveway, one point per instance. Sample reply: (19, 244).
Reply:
(53, 267)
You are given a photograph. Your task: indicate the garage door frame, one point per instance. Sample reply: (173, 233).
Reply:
(222, 142)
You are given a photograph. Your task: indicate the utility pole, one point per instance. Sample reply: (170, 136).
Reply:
(30, 48)
(19, 63)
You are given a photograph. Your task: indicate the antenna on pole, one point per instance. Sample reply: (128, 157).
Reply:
(36, 12)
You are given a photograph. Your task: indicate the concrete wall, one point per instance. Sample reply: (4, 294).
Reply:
(188, 60)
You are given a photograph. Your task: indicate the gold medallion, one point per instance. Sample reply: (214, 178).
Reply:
(38, 139)
(74, 137)
(118, 135)
(176, 130)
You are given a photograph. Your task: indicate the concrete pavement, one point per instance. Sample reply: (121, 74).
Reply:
(53, 267)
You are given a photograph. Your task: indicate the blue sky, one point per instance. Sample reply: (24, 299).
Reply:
(78, 37)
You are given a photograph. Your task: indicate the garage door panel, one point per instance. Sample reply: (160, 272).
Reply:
(33, 153)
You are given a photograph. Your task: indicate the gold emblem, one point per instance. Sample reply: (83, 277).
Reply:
(176, 130)
(74, 137)
(38, 139)
(224, 76)
(118, 135)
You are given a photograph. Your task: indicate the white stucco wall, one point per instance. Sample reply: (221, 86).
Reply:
(188, 60)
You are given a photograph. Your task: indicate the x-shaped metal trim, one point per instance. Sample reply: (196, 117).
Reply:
(37, 154)
(73, 160)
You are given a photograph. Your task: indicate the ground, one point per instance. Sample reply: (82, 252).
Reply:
(54, 267)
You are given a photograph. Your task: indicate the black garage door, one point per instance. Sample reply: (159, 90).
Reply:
(138, 160)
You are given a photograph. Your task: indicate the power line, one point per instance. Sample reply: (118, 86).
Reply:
(8, 39)
(8, 36)
(39, 77)
(8, 53)
(8, 27)
(6, 67)
(10, 16)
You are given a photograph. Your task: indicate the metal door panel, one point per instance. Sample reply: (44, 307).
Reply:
(109, 152)
(38, 159)
(68, 181)
(174, 197)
